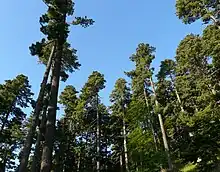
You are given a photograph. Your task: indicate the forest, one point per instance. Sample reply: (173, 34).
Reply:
(158, 120)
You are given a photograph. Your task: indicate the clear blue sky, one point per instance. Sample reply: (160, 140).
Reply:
(120, 25)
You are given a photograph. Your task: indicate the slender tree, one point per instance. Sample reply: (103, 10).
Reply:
(91, 89)
(143, 74)
(120, 98)
(167, 70)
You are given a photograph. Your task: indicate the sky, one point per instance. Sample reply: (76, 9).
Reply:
(120, 25)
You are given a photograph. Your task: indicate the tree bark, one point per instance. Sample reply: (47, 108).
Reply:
(121, 162)
(97, 135)
(125, 140)
(28, 142)
(125, 146)
(179, 100)
(165, 141)
(46, 161)
(79, 161)
(215, 21)
(151, 124)
(177, 94)
(60, 153)
(162, 127)
(35, 167)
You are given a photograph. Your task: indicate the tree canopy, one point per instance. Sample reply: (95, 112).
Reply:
(157, 119)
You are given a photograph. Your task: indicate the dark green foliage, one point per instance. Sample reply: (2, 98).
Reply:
(140, 76)
(142, 113)
(120, 98)
(95, 83)
(80, 128)
(69, 60)
(190, 11)
(15, 95)
(126, 136)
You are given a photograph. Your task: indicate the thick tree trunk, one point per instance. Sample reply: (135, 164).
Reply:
(35, 167)
(162, 127)
(97, 135)
(28, 142)
(60, 153)
(46, 161)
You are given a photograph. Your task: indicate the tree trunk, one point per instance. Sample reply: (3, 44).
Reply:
(179, 100)
(125, 147)
(3, 164)
(215, 21)
(162, 127)
(177, 94)
(121, 163)
(97, 135)
(165, 141)
(60, 153)
(28, 142)
(153, 132)
(35, 167)
(151, 124)
(79, 161)
(125, 141)
(46, 161)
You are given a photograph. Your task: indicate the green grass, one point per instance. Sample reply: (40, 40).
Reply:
(189, 168)
(192, 168)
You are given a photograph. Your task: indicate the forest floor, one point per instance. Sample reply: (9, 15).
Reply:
(192, 168)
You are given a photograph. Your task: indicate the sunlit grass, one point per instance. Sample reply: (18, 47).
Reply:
(189, 168)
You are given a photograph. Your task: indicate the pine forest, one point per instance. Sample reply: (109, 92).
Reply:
(157, 119)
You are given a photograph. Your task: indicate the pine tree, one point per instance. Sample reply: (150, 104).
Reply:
(190, 11)
(166, 78)
(142, 80)
(198, 93)
(54, 26)
(120, 98)
(15, 95)
(90, 92)
(67, 131)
